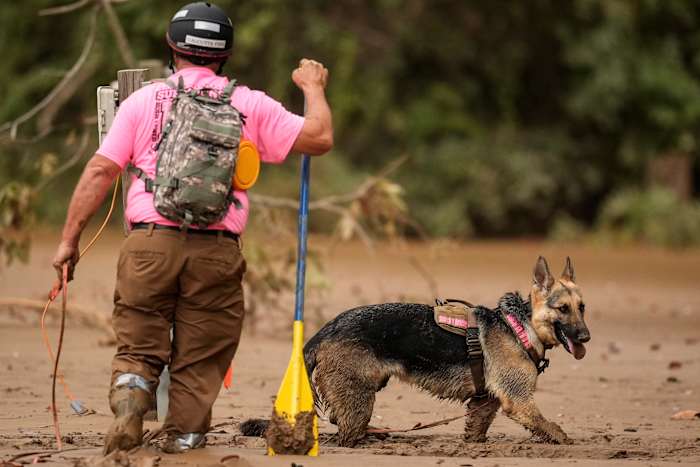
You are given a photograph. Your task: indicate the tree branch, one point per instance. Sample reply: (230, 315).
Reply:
(336, 204)
(90, 41)
(59, 10)
(79, 154)
(362, 190)
(118, 31)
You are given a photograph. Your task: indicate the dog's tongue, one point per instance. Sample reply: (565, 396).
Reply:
(578, 350)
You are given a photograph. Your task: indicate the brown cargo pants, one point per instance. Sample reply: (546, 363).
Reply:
(192, 283)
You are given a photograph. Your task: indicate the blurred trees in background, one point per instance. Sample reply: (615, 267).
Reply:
(520, 118)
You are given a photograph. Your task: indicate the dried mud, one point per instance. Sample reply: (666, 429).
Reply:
(285, 438)
(641, 368)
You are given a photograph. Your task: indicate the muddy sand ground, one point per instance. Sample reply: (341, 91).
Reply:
(642, 365)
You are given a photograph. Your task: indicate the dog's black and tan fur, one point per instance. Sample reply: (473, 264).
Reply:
(354, 356)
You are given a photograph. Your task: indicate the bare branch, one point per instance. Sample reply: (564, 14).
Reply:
(59, 10)
(337, 204)
(79, 154)
(118, 31)
(362, 190)
(90, 41)
(273, 201)
(267, 201)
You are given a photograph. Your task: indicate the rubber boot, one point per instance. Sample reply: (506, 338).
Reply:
(129, 405)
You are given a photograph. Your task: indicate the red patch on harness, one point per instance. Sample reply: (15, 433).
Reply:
(452, 321)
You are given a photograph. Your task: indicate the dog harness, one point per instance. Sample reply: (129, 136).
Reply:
(459, 317)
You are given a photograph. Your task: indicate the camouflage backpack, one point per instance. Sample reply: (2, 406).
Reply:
(197, 156)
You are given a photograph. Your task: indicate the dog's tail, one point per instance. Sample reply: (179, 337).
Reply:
(310, 350)
(310, 355)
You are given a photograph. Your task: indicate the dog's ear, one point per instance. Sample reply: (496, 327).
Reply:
(541, 276)
(568, 273)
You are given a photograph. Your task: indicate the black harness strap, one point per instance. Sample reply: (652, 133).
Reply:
(475, 354)
(476, 362)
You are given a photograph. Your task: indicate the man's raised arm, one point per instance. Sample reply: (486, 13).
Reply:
(316, 136)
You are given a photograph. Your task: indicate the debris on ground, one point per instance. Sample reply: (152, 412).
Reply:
(118, 459)
(686, 415)
(674, 365)
(283, 438)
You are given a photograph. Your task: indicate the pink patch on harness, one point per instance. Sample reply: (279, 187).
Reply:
(455, 322)
(519, 330)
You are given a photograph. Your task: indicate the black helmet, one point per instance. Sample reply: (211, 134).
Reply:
(201, 30)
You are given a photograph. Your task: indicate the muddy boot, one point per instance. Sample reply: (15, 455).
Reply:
(179, 443)
(129, 399)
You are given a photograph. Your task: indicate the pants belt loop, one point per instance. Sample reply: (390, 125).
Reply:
(183, 232)
(151, 226)
(219, 236)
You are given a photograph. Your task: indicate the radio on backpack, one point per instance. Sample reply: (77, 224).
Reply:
(197, 157)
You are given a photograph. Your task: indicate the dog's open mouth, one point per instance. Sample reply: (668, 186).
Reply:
(577, 349)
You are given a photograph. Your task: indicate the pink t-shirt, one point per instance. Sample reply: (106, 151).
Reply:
(137, 129)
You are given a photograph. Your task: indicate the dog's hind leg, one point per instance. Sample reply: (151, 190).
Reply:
(349, 402)
(481, 415)
(352, 424)
(346, 379)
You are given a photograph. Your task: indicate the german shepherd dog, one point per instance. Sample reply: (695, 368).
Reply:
(354, 356)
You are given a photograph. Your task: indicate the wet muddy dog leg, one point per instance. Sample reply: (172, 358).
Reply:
(481, 415)
(526, 413)
(349, 401)
(348, 390)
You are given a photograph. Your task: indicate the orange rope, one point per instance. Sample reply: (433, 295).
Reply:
(58, 287)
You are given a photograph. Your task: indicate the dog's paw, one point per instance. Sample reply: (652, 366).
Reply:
(556, 435)
(551, 433)
(474, 438)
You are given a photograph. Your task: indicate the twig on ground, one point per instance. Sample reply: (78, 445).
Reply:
(45, 453)
(86, 317)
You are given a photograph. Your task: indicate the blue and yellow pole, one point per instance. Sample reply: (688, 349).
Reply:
(295, 394)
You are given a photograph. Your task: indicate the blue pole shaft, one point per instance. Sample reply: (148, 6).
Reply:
(302, 235)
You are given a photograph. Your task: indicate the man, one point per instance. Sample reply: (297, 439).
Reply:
(187, 279)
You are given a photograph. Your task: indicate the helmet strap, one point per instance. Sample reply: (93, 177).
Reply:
(171, 61)
(220, 71)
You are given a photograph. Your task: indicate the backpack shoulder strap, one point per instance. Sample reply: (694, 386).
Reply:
(228, 90)
(148, 182)
(180, 86)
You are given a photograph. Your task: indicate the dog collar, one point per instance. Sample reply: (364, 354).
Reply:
(518, 328)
